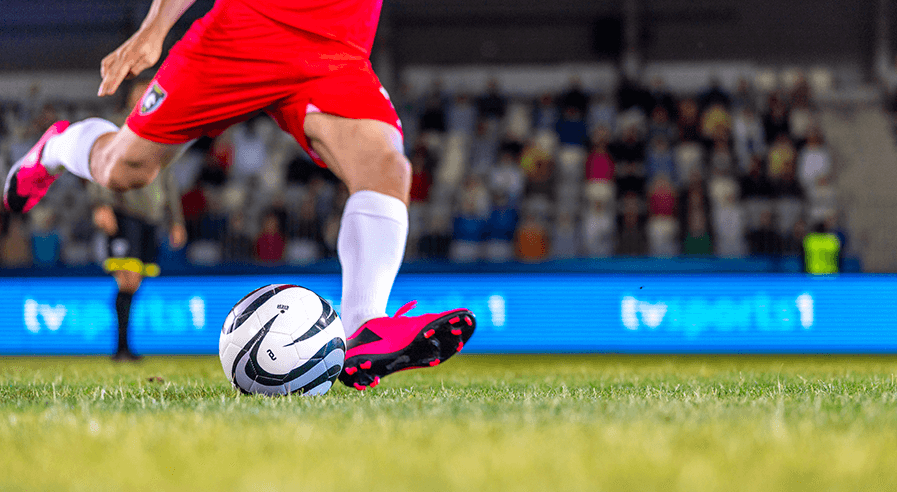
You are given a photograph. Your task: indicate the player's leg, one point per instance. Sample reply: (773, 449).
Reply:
(128, 283)
(367, 155)
(93, 149)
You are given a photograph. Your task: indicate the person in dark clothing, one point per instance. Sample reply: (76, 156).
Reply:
(130, 220)
(765, 240)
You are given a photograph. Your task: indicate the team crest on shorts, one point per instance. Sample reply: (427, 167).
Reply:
(152, 99)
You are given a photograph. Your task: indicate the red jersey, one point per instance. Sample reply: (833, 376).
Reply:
(350, 22)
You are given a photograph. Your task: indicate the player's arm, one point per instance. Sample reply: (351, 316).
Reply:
(177, 236)
(143, 49)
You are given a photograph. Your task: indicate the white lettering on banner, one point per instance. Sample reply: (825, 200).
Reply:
(52, 315)
(695, 313)
(497, 309)
(198, 310)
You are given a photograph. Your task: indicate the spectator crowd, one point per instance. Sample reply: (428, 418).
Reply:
(634, 170)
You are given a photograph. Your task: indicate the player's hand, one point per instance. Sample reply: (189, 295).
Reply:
(104, 219)
(177, 238)
(139, 52)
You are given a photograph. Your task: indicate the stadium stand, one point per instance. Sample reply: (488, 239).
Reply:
(580, 172)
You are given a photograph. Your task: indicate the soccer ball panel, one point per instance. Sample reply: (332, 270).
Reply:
(276, 355)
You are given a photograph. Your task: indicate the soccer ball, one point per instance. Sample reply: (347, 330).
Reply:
(282, 339)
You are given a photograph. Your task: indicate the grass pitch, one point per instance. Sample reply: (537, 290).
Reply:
(477, 423)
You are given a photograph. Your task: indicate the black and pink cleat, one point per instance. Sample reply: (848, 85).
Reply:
(386, 345)
(28, 180)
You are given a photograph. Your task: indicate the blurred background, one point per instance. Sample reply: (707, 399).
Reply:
(637, 136)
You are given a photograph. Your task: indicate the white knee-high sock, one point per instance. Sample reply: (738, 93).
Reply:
(370, 245)
(71, 149)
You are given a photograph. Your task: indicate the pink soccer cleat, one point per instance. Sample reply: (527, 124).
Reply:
(383, 346)
(28, 180)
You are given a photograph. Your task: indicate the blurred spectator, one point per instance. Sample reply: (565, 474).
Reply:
(694, 204)
(631, 94)
(662, 227)
(775, 122)
(469, 232)
(715, 95)
(531, 242)
(564, 237)
(765, 240)
(420, 178)
(602, 113)
(800, 118)
(662, 198)
(500, 229)
(793, 244)
(781, 155)
(599, 163)
(574, 97)
(462, 115)
(631, 238)
(661, 97)
(545, 113)
(270, 244)
(598, 230)
(720, 156)
(476, 196)
(814, 161)
(697, 240)
(483, 148)
(729, 227)
(212, 172)
(16, 248)
(540, 178)
(194, 204)
(435, 242)
(689, 121)
(46, 242)
(784, 184)
(715, 118)
(659, 161)
(306, 236)
(630, 148)
(743, 97)
(433, 117)
(507, 178)
(571, 128)
(492, 104)
(250, 150)
(748, 135)
(237, 246)
(755, 184)
(660, 125)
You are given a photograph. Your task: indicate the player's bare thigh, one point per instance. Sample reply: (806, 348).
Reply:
(364, 154)
(123, 160)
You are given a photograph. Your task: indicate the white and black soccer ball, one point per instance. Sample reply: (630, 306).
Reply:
(282, 339)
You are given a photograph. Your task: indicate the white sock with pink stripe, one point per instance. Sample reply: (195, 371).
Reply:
(71, 149)
(371, 245)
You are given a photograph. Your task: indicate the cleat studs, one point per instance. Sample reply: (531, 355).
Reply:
(434, 363)
(359, 387)
(429, 333)
(351, 370)
(460, 346)
(456, 331)
(365, 365)
(454, 320)
(468, 321)
(376, 381)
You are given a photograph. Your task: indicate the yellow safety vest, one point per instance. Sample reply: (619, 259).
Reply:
(821, 252)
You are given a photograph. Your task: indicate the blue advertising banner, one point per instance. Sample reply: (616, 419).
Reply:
(515, 312)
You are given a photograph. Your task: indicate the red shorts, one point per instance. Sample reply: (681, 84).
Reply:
(234, 63)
